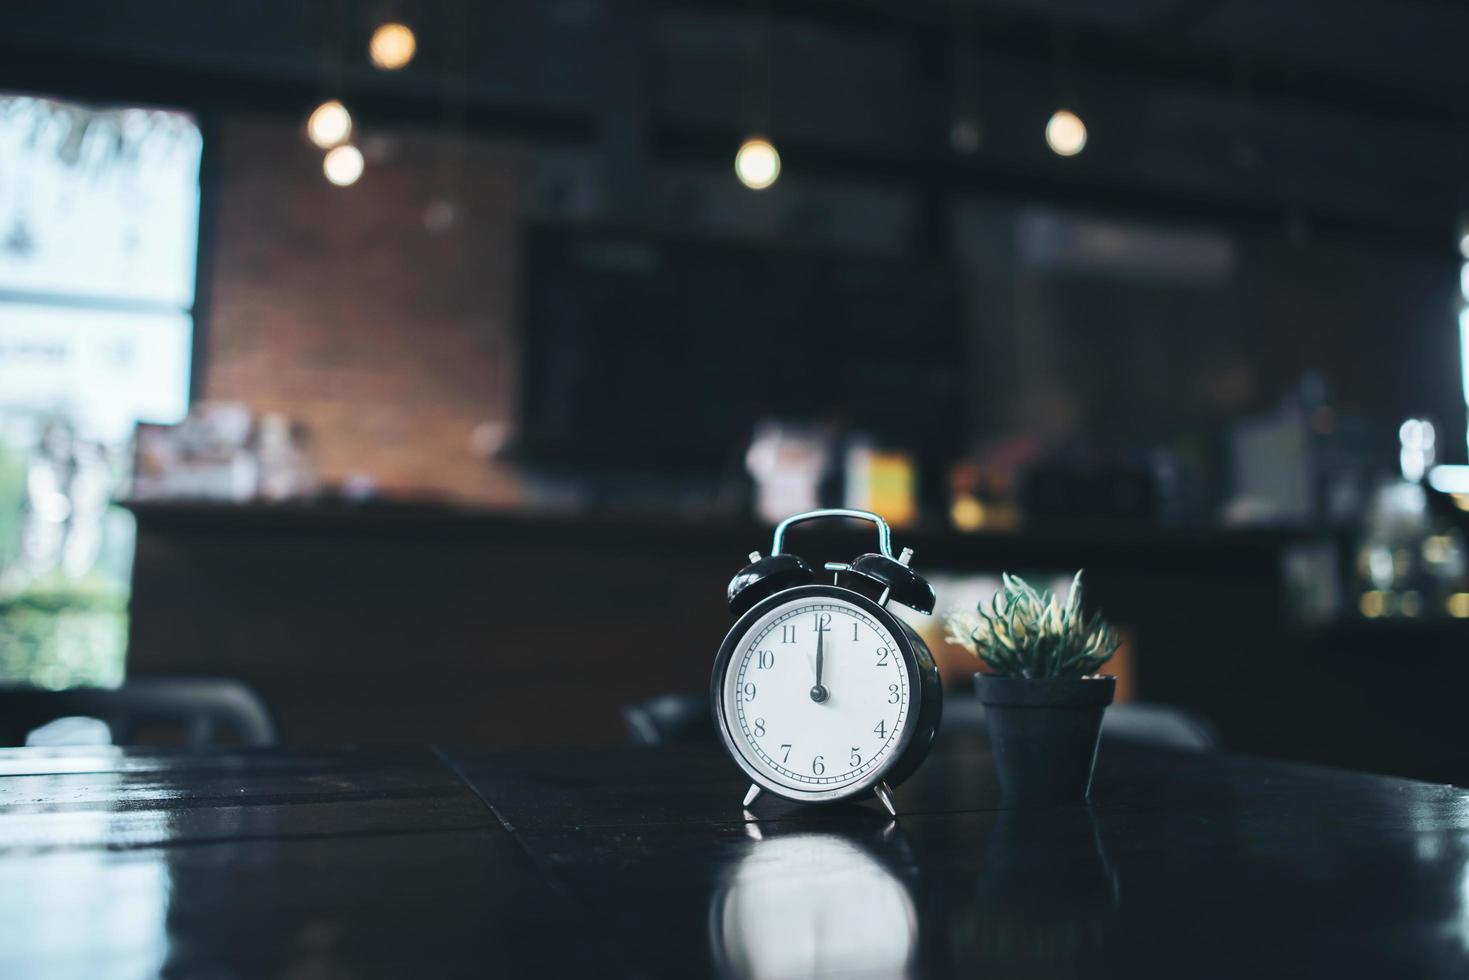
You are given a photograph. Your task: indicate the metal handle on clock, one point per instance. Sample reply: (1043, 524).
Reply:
(884, 534)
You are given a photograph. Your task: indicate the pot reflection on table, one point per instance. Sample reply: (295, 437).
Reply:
(810, 904)
(1047, 899)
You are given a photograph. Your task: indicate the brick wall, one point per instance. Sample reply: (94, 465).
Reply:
(338, 307)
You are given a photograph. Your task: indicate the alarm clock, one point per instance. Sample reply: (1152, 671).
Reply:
(819, 692)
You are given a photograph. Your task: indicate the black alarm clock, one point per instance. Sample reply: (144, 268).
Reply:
(819, 692)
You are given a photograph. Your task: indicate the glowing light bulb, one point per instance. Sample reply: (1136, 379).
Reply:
(329, 125)
(1066, 133)
(343, 165)
(392, 46)
(757, 165)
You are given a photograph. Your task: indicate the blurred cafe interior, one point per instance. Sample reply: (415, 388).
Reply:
(427, 369)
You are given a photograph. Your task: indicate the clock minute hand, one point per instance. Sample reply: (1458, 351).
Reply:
(820, 635)
(819, 693)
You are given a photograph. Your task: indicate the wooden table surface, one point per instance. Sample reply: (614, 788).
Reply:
(579, 863)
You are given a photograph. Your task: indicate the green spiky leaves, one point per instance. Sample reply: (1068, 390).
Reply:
(1026, 633)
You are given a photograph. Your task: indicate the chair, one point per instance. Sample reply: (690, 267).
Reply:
(680, 719)
(669, 719)
(206, 709)
(1159, 725)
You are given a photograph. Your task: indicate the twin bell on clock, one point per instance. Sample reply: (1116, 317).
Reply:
(820, 693)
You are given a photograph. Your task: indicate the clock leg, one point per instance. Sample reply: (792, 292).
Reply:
(884, 793)
(750, 796)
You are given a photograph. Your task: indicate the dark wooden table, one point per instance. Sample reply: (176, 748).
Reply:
(411, 862)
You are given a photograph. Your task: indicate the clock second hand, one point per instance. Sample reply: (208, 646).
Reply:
(819, 693)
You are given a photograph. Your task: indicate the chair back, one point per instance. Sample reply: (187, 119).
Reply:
(680, 719)
(208, 710)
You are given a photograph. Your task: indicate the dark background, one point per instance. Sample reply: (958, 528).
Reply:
(553, 395)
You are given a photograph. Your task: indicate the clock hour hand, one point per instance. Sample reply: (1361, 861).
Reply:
(819, 693)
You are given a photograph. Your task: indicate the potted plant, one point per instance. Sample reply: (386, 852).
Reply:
(1043, 700)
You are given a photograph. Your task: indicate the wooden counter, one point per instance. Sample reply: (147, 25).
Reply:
(415, 623)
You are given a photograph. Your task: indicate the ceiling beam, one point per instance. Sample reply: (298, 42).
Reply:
(27, 67)
(1094, 49)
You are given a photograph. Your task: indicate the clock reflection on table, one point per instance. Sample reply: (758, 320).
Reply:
(809, 904)
(1020, 893)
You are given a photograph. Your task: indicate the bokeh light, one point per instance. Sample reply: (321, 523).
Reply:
(343, 165)
(329, 125)
(1066, 133)
(392, 46)
(757, 164)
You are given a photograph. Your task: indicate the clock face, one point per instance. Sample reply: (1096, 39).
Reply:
(816, 696)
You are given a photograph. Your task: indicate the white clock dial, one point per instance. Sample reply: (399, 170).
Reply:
(810, 732)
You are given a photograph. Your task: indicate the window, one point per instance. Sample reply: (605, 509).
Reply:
(99, 221)
(99, 224)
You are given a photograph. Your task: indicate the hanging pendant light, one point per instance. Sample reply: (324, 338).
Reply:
(757, 164)
(329, 125)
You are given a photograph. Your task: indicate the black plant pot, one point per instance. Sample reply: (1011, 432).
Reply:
(1044, 733)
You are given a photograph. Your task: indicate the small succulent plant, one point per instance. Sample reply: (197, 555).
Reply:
(1026, 633)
